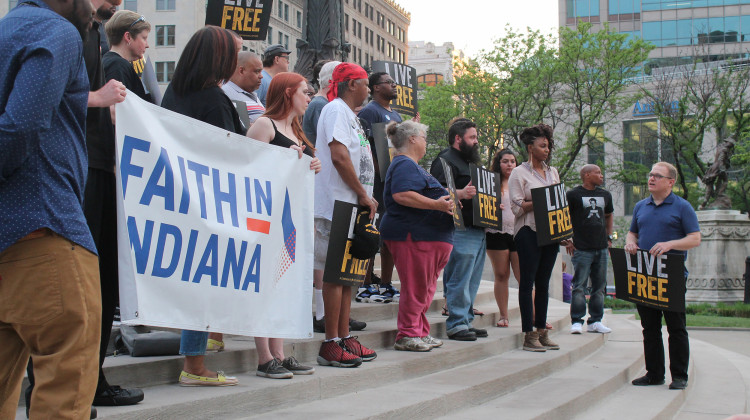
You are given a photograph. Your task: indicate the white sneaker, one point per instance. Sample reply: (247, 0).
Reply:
(598, 327)
(576, 328)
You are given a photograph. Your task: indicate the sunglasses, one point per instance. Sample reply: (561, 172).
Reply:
(390, 82)
(140, 19)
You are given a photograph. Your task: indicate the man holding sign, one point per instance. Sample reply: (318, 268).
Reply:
(663, 223)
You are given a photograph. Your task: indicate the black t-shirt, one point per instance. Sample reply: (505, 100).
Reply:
(210, 105)
(587, 209)
(100, 133)
(461, 177)
(120, 69)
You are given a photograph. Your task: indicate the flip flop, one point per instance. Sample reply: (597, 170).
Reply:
(502, 323)
(478, 312)
(549, 326)
(445, 311)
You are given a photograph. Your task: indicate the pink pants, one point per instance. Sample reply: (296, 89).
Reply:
(418, 264)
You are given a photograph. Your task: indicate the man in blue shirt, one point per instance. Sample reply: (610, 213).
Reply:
(50, 304)
(663, 223)
(275, 60)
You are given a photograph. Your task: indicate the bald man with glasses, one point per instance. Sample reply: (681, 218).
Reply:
(663, 223)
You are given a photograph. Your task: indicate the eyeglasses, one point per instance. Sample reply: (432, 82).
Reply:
(658, 176)
(140, 19)
(390, 82)
(284, 56)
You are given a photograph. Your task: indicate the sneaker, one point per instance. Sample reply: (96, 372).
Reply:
(531, 342)
(678, 384)
(292, 365)
(274, 370)
(356, 348)
(319, 326)
(214, 345)
(463, 335)
(370, 294)
(480, 332)
(116, 396)
(546, 342)
(412, 344)
(598, 327)
(576, 328)
(355, 325)
(645, 380)
(390, 292)
(188, 379)
(432, 341)
(333, 353)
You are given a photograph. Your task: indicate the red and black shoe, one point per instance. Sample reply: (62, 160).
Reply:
(333, 353)
(356, 348)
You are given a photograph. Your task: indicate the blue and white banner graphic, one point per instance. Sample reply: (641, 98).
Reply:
(215, 230)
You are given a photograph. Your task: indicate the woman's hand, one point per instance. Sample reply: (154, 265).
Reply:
(445, 204)
(315, 165)
(299, 150)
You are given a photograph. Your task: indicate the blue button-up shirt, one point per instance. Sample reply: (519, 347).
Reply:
(43, 94)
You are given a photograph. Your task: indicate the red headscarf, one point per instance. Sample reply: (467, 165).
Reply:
(343, 73)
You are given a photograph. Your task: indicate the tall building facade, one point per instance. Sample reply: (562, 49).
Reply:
(434, 63)
(376, 30)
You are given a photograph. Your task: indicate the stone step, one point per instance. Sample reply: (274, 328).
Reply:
(642, 402)
(256, 396)
(722, 383)
(585, 377)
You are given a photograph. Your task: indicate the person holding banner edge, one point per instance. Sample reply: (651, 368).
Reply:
(536, 262)
(347, 174)
(418, 227)
(208, 60)
(663, 223)
(287, 101)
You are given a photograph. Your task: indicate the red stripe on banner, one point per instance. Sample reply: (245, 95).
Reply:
(257, 225)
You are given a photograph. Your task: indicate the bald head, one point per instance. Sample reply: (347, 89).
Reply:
(248, 73)
(591, 176)
(244, 57)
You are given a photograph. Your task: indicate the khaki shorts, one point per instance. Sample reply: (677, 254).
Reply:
(322, 235)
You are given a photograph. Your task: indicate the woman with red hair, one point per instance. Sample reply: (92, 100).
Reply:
(286, 102)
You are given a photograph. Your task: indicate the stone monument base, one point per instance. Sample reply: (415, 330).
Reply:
(716, 267)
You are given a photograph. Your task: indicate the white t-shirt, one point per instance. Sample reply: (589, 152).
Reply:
(337, 121)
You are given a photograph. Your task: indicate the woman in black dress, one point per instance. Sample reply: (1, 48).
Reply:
(127, 33)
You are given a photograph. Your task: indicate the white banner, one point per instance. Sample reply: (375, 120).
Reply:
(215, 230)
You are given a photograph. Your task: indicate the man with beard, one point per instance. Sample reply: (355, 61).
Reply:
(463, 273)
(50, 303)
(378, 110)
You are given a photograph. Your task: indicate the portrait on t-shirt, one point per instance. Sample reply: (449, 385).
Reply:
(593, 209)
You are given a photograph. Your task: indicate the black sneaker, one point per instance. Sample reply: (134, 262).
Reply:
(646, 381)
(320, 326)
(115, 396)
(292, 365)
(355, 325)
(678, 384)
(463, 335)
(274, 370)
(480, 332)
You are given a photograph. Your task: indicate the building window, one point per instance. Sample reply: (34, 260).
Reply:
(299, 19)
(131, 5)
(359, 30)
(286, 41)
(281, 10)
(281, 37)
(354, 27)
(286, 13)
(165, 4)
(165, 35)
(269, 38)
(164, 71)
(346, 22)
(624, 7)
(582, 8)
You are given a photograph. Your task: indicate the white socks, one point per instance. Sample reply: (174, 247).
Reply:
(319, 306)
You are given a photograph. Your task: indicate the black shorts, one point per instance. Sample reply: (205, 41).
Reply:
(500, 242)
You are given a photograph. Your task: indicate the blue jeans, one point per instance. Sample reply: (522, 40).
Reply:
(588, 264)
(193, 343)
(536, 268)
(461, 277)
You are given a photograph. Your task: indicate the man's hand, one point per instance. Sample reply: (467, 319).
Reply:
(631, 248)
(569, 247)
(369, 202)
(660, 248)
(467, 192)
(112, 93)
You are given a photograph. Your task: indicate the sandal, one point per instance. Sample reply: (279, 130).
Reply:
(502, 323)
(445, 311)
(549, 326)
(478, 312)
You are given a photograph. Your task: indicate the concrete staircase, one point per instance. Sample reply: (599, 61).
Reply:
(588, 378)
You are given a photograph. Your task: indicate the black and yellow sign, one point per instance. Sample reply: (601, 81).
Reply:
(551, 214)
(458, 218)
(486, 211)
(406, 85)
(341, 267)
(249, 18)
(649, 280)
(382, 149)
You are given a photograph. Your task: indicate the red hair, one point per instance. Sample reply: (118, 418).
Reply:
(279, 101)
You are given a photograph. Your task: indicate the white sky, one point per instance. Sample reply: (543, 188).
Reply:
(472, 25)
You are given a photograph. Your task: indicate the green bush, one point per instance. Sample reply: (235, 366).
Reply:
(615, 303)
(738, 310)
